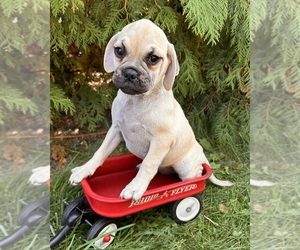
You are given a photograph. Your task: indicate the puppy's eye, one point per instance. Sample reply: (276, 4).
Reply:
(153, 59)
(120, 52)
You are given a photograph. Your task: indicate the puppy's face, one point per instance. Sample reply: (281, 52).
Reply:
(142, 59)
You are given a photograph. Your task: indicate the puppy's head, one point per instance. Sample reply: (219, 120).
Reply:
(142, 59)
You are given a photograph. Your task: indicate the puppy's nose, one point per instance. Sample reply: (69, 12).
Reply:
(130, 73)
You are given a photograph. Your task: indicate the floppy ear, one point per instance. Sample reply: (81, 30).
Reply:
(173, 68)
(109, 54)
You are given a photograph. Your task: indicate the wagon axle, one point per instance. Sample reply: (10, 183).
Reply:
(107, 238)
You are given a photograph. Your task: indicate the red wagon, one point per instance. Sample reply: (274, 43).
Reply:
(101, 197)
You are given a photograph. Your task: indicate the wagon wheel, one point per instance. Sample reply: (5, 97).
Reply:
(186, 209)
(40, 204)
(106, 229)
(80, 203)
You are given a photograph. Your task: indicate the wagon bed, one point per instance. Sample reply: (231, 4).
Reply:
(103, 189)
(102, 203)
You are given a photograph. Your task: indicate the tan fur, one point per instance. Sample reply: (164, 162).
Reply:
(152, 123)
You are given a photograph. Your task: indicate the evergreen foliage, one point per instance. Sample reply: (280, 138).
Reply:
(200, 14)
(14, 100)
(275, 80)
(275, 121)
(59, 102)
(24, 39)
(211, 39)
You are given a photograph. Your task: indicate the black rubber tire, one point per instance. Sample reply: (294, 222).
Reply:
(79, 203)
(100, 227)
(186, 209)
(32, 208)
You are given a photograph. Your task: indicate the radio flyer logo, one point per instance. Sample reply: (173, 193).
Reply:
(162, 195)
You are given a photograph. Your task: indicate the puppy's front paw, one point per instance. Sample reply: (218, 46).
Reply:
(40, 175)
(78, 174)
(134, 190)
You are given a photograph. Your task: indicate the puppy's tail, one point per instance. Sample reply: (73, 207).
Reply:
(218, 182)
(257, 183)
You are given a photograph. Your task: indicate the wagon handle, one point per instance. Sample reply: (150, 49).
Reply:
(66, 229)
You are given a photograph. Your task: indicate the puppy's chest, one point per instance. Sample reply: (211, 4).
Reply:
(132, 125)
(134, 128)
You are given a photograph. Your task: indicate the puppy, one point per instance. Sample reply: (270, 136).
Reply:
(145, 113)
(40, 175)
(260, 183)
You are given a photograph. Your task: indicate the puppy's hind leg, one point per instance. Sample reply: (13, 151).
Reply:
(111, 141)
(191, 167)
(166, 170)
(162, 170)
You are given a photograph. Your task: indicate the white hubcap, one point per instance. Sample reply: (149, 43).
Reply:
(187, 209)
(108, 233)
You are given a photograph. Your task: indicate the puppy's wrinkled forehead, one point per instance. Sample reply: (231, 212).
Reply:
(142, 32)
